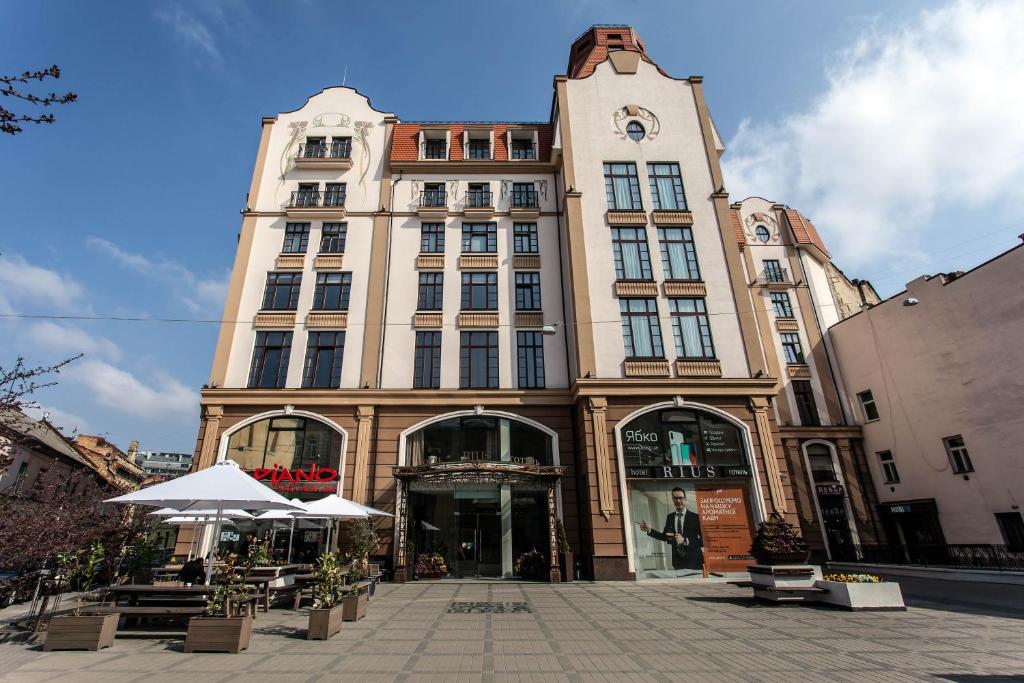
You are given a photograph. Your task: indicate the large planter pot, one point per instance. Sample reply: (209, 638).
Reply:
(567, 564)
(324, 623)
(354, 605)
(799, 557)
(86, 632)
(218, 634)
(863, 596)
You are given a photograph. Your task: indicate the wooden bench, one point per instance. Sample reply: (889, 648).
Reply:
(151, 611)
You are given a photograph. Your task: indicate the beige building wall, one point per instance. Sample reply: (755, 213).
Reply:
(951, 364)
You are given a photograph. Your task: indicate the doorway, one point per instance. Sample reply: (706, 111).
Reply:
(479, 538)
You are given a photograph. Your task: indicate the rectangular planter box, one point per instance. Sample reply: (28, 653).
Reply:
(218, 634)
(87, 632)
(354, 606)
(324, 623)
(863, 596)
(784, 575)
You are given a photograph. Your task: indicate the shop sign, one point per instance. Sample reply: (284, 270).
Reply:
(485, 456)
(829, 489)
(725, 521)
(310, 480)
(688, 472)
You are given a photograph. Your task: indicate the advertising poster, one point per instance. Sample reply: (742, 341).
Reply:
(725, 520)
(667, 536)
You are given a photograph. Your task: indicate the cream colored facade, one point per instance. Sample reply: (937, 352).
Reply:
(943, 359)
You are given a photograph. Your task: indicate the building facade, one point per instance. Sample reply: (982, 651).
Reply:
(934, 375)
(494, 328)
(162, 464)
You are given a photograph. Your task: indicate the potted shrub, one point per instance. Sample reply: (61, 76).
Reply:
(778, 542)
(325, 616)
(861, 592)
(566, 560)
(532, 566)
(430, 566)
(364, 541)
(354, 602)
(78, 630)
(227, 624)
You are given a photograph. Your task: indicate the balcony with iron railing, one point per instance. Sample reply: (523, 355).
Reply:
(524, 203)
(433, 203)
(775, 278)
(479, 203)
(336, 154)
(310, 203)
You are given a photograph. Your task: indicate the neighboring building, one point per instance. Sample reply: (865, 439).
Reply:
(38, 453)
(112, 464)
(936, 376)
(486, 327)
(160, 464)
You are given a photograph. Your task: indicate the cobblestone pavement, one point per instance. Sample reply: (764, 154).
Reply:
(573, 632)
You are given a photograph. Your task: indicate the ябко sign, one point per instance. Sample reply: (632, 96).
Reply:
(688, 472)
(312, 479)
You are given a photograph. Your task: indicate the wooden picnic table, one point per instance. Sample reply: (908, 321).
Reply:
(135, 593)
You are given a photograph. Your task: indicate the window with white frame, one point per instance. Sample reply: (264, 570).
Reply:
(867, 404)
(890, 474)
(958, 456)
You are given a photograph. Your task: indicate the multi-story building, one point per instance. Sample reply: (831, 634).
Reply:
(934, 375)
(162, 464)
(491, 327)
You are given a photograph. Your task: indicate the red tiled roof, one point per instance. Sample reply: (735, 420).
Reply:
(582, 62)
(405, 146)
(737, 227)
(804, 231)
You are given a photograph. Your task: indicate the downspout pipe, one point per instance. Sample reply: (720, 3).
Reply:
(387, 281)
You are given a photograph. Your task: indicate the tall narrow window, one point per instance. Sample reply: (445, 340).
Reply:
(314, 149)
(479, 195)
(432, 238)
(1011, 525)
(691, 328)
(531, 359)
(324, 353)
(805, 404)
(791, 348)
(632, 260)
(524, 237)
(282, 291)
(890, 474)
(666, 187)
(479, 291)
(867, 404)
(427, 371)
(678, 254)
(270, 360)
(959, 458)
(341, 148)
(480, 238)
(641, 330)
(435, 149)
(622, 186)
(308, 194)
(478, 360)
(528, 292)
(773, 272)
(781, 304)
(819, 457)
(430, 292)
(332, 291)
(296, 238)
(334, 194)
(332, 238)
(524, 195)
(433, 195)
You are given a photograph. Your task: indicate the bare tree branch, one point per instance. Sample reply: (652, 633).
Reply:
(9, 120)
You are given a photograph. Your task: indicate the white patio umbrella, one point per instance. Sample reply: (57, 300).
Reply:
(334, 507)
(373, 512)
(207, 514)
(289, 515)
(221, 487)
(200, 521)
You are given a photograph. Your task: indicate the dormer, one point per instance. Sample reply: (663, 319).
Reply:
(619, 44)
(522, 144)
(434, 144)
(478, 143)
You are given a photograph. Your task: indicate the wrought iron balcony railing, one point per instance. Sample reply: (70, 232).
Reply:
(336, 149)
(302, 199)
(774, 276)
(479, 199)
(433, 198)
(525, 198)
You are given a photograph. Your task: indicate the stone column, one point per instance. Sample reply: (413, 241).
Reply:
(361, 465)
(211, 428)
(556, 571)
(597, 406)
(759, 406)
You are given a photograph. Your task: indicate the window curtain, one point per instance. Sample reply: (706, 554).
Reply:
(623, 195)
(678, 265)
(667, 193)
(415, 448)
(631, 267)
(643, 344)
(689, 328)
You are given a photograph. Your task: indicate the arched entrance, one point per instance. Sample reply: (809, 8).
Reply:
(477, 489)
(831, 500)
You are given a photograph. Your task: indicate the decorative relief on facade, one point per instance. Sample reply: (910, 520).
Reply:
(542, 188)
(331, 120)
(598, 407)
(698, 368)
(647, 118)
(759, 219)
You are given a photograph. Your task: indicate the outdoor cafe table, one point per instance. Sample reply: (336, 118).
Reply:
(133, 592)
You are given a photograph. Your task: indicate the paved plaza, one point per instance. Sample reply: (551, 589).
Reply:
(572, 632)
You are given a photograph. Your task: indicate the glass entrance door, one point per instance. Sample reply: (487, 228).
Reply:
(479, 538)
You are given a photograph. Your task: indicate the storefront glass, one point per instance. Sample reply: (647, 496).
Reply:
(688, 486)
(478, 439)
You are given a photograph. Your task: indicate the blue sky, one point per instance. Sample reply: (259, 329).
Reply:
(890, 126)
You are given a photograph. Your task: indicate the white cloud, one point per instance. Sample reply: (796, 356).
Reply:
(190, 30)
(918, 125)
(122, 391)
(24, 283)
(66, 422)
(70, 339)
(199, 294)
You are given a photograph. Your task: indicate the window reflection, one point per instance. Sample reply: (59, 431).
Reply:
(479, 439)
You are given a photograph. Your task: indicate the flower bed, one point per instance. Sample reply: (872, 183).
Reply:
(861, 592)
(852, 578)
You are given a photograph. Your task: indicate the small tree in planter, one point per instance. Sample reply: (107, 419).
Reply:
(566, 559)
(79, 631)
(532, 566)
(778, 542)
(430, 566)
(325, 616)
(227, 624)
(354, 602)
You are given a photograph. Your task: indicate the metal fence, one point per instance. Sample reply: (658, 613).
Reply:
(958, 556)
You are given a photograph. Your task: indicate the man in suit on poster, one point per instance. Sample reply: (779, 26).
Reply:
(682, 532)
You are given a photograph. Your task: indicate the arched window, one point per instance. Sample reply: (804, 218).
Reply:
(293, 455)
(635, 131)
(762, 234)
(681, 437)
(478, 438)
